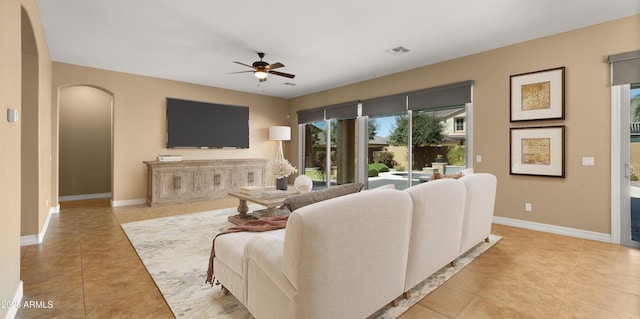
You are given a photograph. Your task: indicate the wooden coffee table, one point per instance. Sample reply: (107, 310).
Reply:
(271, 203)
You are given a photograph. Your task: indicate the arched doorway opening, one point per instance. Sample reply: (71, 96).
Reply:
(85, 143)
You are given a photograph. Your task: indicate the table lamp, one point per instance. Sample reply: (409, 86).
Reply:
(279, 133)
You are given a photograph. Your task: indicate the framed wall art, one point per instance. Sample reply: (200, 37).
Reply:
(537, 151)
(537, 95)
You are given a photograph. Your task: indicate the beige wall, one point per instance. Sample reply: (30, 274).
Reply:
(582, 199)
(29, 131)
(42, 133)
(85, 141)
(10, 146)
(140, 120)
(10, 135)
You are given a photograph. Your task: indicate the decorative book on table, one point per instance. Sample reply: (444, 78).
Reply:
(169, 158)
(251, 190)
(276, 193)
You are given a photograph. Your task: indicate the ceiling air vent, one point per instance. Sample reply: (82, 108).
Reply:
(397, 50)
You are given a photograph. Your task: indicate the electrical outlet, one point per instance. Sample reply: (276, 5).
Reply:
(527, 207)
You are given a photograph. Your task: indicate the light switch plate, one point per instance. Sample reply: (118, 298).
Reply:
(588, 161)
(12, 115)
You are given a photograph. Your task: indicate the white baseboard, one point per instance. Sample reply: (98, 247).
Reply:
(83, 197)
(29, 240)
(128, 202)
(37, 239)
(560, 230)
(15, 303)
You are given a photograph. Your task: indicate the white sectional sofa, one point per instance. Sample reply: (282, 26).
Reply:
(478, 212)
(436, 227)
(349, 256)
(342, 258)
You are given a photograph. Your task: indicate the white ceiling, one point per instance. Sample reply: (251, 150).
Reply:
(326, 44)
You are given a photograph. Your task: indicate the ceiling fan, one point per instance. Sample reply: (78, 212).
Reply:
(262, 68)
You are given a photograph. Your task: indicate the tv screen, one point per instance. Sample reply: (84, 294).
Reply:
(201, 124)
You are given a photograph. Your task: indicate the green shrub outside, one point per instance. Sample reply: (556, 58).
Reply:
(373, 172)
(384, 157)
(456, 155)
(380, 167)
(633, 177)
(399, 168)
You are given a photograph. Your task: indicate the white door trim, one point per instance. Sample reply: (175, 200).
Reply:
(616, 163)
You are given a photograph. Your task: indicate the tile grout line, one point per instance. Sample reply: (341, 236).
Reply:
(84, 301)
(573, 271)
(475, 296)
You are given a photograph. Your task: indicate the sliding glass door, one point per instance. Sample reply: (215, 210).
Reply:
(625, 148)
(330, 152)
(631, 220)
(407, 153)
(400, 139)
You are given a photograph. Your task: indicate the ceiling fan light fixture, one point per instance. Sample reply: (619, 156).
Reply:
(260, 74)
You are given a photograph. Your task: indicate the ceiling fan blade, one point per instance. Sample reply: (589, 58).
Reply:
(286, 75)
(274, 66)
(243, 64)
(241, 72)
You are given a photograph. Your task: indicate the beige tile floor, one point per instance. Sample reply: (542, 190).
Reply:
(88, 269)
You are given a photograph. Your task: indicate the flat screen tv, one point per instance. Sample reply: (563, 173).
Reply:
(206, 125)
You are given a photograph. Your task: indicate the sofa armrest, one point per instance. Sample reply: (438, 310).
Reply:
(265, 252)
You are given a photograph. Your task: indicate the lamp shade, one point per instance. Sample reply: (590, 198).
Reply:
(280, 133)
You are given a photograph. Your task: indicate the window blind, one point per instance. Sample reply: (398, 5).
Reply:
(348, 110)
(625, 68)
(389, 104)
(445, 95)
(311, 115)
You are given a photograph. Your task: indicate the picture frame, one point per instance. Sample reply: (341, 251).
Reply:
(537, 95)
(537, 151)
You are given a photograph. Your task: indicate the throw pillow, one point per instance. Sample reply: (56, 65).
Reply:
(439, 176)
(301, 200)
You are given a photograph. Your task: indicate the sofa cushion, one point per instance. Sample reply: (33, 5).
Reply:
(230, 247)
(297, 201)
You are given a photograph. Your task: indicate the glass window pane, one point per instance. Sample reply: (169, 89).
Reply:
(438, 142)
(635, 163)
(315, 146)
(387, 155)
(343, 151)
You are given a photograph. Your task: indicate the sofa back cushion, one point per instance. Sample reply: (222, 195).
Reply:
(301, 200)
(438, 208)
(346, 257)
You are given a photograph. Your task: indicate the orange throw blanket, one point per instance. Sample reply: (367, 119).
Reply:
(256, 225)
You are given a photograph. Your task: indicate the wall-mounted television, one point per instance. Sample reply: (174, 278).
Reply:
(206, 125)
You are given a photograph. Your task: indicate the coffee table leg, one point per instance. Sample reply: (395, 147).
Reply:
(242, 216)
(271, 211)
(243, 208)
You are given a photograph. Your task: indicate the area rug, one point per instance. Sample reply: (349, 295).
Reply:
(175, 250)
